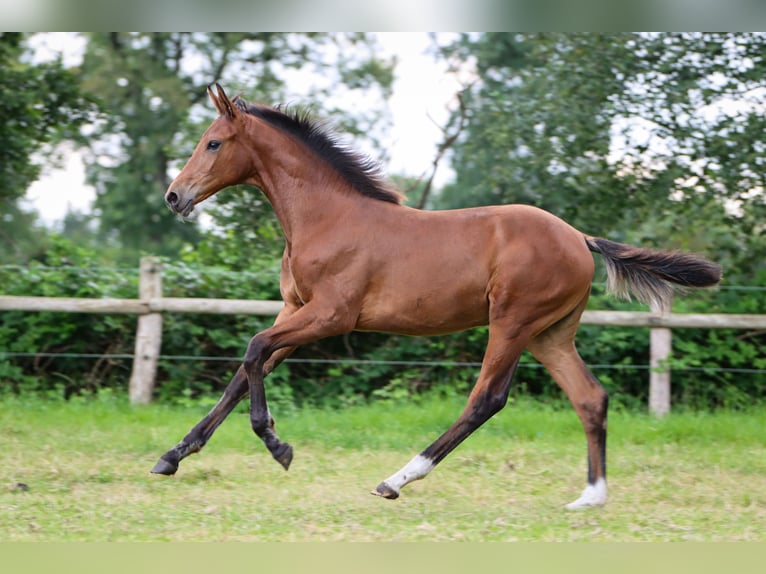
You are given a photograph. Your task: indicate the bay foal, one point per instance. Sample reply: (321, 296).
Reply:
(355, 258)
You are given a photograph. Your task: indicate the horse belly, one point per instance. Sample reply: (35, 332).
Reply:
(432, 311)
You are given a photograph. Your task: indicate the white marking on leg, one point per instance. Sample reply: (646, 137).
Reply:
(416, 469)
(593, 495)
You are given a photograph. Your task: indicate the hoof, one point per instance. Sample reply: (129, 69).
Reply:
(580, 505)
(164, 467)
(284, 455)
(593, 495)
(385, 491)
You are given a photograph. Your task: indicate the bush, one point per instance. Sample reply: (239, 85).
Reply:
(30, 340)
(206, 348)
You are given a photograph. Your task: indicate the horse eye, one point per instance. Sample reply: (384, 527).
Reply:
(213, 145)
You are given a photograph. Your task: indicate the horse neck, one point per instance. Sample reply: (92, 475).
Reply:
(304, 192)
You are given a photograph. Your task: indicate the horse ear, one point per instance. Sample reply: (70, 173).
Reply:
(215, 100)
(222, 102)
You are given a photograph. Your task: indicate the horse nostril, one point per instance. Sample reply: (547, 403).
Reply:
(171, 198)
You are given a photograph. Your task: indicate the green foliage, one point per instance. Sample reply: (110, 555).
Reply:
(65, 270)
(40, 104)
(202, 340)
(636, 137)
(361, 367)
(391, 369)
(538, 128)
(699, 354)
(22, 236)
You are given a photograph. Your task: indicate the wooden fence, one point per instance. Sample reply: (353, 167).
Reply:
(151, 305)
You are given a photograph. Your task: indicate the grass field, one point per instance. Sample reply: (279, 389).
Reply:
(80, 471)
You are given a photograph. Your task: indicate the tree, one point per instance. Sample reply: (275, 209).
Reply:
(537, 125)
(152, 90)
(40, 104)
(623, 135)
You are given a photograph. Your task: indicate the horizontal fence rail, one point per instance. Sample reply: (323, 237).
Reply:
(150, 306)
(271, 308)
(674, 320)
(141, 307)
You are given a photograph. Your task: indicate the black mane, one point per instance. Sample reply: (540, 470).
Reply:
(361, 172)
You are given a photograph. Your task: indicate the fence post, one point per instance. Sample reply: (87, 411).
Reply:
(148, 334)
(660, 345)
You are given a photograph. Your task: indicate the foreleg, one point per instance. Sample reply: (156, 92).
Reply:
(198, 436)
(312, 322)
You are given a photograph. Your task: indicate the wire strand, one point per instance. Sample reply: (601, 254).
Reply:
(368, 362)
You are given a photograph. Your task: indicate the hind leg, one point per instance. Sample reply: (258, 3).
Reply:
(488, 396)
(555, 349)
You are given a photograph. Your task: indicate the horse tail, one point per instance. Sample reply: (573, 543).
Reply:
(652, 275)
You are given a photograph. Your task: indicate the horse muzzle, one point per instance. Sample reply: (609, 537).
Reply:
(179, 203)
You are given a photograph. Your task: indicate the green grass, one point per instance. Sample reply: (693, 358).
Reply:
(690, 476)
